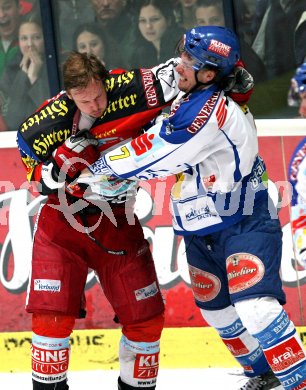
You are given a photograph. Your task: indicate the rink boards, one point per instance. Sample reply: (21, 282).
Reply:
(98, 349)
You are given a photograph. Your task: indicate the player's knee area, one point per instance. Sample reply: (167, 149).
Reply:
(220, 318)
(145, 331)
(51, 325)
(258, 313)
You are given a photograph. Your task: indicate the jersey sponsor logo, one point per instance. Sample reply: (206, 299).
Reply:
(255, 355)
(259, 174)
(48, 362)
(146, 292)
(49, 378)
(53, 345)
(236, 346)
(205, 286)
(29, 163)
(285, 355)
(248, 369)
(219, 48)
(122, 79)
(150, 91)
(232, 329)
(146, 366)
(281, 324)
(47, 356)
(142, 144)
(122, 103)
(243, 271)
(209, 181)
(47, 285)
(42, 145)
(298, 158)
(203, 114)
(301, 386)
(201, 213)
(294, 380)
(165, 74)
(105, 134)
(54, 110)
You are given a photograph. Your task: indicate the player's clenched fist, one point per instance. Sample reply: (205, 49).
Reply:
(76, 153)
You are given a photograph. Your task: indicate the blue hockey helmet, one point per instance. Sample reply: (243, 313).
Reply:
(215, 46)
(300, 78)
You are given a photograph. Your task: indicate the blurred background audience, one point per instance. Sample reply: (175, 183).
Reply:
(141, 33)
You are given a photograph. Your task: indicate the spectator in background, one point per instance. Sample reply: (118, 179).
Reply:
(10, 13)
(274, 42)
(24, 83)
(69, 14)
(116, 17)
(91, 38)
(156, 36)
(184, 13)
(260, 9)
(300, 40)
(297, 92)
(210, 12)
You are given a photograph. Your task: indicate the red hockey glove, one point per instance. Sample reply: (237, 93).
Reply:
(76, 153)
(240, 84)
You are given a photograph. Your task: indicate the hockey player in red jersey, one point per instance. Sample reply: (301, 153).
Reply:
(97, 109)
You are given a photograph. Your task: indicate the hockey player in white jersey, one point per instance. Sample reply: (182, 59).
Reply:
(297, 172)
(220, 205)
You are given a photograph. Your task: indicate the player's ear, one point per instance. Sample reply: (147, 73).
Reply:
(206, 75)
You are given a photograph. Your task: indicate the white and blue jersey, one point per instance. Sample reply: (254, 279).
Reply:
(211, 143)
(297, 178)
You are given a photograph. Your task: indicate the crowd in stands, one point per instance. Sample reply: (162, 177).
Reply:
(136, 33)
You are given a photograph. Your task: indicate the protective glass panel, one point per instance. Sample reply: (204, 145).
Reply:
(273, 36)
(23, 71)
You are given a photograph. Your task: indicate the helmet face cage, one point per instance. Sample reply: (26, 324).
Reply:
(300, 78)
(213, 46)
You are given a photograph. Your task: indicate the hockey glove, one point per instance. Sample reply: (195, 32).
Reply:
(240, 84)
(76, 154)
